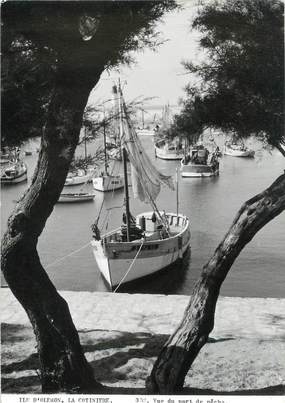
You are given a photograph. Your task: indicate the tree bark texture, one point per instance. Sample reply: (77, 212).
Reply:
(180, 351)
(62, 362)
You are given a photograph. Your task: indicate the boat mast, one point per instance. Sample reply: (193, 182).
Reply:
(85, 150)
(104, 136)
(177, 192)
(125, 157)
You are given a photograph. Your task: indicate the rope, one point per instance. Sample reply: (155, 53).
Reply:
(69, 254)
(131, 265)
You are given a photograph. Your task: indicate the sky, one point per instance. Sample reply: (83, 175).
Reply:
(158, 74)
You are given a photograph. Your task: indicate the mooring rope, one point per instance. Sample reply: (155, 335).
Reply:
(131, 265)
(68, 255)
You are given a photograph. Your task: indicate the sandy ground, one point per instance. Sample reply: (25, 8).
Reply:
(122, 334)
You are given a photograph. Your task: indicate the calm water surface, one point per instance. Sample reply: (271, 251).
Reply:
(211, 204)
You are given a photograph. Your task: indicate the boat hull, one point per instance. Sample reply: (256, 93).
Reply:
(239, 153)
(199, 170)
(165, 154)
(121, 263)
(75, 198)
(18, 176)
(108, 183)
(77, 180)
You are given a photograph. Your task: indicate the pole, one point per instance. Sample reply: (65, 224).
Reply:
(177, 192)
(128, 218)
(104, 135)
(85, 149)
(125, 157)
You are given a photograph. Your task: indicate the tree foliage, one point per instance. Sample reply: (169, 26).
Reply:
(239, 86)
(82, 39)
(42, 40)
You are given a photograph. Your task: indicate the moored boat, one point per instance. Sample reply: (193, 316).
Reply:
(169, 149)
(14, 173)
(149, 250)
(238, 150)
(108, 181)
(75, 197)
(153, 240)
(200, 163)
(77, 178)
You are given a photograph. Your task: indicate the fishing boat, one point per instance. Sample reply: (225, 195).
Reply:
(75, 197)
(80, 176)
(238, 150)
(149, 242)
(106, 181)
(169, 149)
(4, 159)
(199, 162)
(14, 173)
(77, 178)
(145, 132)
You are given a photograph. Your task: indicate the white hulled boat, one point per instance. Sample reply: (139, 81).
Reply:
(75, 197)
(145, 132)
(169, 149)
(153, 240)
(78, 178)
(199, 163)
(238, 150)
(14, 173)
(107, 181)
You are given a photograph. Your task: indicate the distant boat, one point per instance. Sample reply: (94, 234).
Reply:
(145, 132)
(169, 149)
(238, 150)
(15, 173)
(154, 239)
(107, 181)
(77, 178)
(4, 159)
(200, 163)
(75, 197)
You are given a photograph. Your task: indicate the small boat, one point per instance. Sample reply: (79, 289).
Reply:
(75, 197)
(106, 181)
(169, 149)
(200, 163)
(153, 240)
(145, 132)
(238, 150)
(4, 159)
(15, 173)
(77, 178)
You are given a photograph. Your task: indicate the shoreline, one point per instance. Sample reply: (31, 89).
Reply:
(122, 334)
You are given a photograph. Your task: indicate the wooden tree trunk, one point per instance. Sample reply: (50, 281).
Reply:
(180, 351)
(62, 362)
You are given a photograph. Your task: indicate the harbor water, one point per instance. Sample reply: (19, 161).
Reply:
(210, 203)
